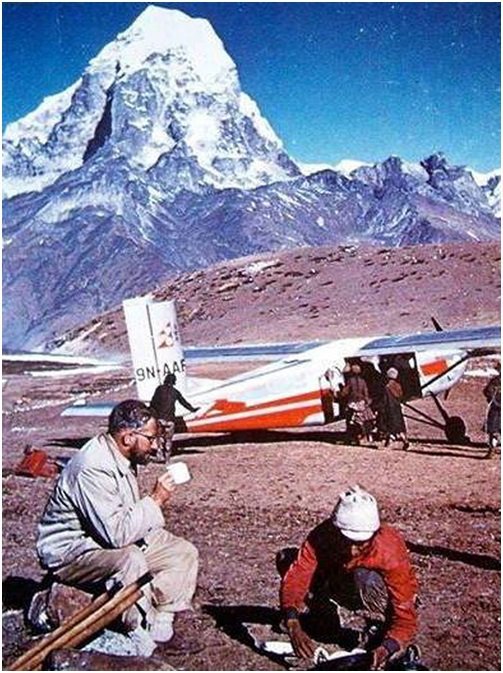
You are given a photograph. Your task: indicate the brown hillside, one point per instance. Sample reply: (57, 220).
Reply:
(321, 293)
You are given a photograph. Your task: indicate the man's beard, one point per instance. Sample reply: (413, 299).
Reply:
(139, 458)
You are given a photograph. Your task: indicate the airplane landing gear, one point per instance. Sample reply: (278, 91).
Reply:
(455, 430)
(453, 427)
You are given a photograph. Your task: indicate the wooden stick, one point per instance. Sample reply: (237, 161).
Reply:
(33, 660)
(84, 612)
(75, 630)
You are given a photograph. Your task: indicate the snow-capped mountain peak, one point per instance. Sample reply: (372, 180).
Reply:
(165, 31)
(344, 167)
(162, 93)
(490, 183)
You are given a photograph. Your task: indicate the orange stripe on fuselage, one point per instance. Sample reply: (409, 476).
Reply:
(279, 419)
(230, 406)
(434, 368)
(231, 418)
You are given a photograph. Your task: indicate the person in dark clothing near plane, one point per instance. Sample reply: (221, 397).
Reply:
(391, 420)
(359, 415)
(492, 393)
(163, 406)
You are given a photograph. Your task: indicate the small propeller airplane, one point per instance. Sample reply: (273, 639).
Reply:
(297, 389)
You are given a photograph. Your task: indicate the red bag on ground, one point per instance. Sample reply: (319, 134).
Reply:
(36, 463)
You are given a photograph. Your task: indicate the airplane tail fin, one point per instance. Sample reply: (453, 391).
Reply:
(154, 342)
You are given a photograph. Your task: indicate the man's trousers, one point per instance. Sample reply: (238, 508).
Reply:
(172, 561)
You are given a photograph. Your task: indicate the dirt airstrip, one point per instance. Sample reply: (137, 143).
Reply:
(251, 496)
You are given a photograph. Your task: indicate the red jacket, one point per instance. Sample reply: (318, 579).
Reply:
(320, 559)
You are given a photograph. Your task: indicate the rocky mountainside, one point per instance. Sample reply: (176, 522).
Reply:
(326, 292)
(156, 162)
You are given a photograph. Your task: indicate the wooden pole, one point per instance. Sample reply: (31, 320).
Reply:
(82, 625)
(67, 624)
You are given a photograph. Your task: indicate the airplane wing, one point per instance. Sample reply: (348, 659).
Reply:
(248, 351)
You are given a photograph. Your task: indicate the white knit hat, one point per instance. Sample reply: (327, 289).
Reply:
(392, 373)
(356, 514)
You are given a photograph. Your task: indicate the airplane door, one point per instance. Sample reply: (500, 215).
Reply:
(329, 406)
(408, 373)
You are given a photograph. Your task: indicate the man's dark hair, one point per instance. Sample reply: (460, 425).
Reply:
(170, 379)
(129, 415)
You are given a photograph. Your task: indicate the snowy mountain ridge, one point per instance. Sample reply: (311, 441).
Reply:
(156, 162)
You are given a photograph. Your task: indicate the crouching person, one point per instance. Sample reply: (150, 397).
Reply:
(97, 531)
(351, 561)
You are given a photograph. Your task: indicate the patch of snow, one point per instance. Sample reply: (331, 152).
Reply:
(160, 143)
(203, 133)
(477, 372)
(41, 121)
(113, 643)
(345, 167)
(142, 124)
(256, 267)
(494, 195)
(310, 169)
(61, 373)
(50, 357)
(414, 169)
(483, 178)
(11, 186)
(58, 210)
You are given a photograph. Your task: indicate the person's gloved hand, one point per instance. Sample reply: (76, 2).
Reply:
(379, 658)
(302, 644)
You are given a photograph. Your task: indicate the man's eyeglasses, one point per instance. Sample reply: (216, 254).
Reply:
(151, 438)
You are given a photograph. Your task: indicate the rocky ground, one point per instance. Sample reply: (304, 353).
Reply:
(252, 495)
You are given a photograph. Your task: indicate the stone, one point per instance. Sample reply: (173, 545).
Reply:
(14, 637)
(75, 660)
(65, 601)
(51, 607)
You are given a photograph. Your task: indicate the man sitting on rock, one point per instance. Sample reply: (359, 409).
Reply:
(96, 531)
(350, 561)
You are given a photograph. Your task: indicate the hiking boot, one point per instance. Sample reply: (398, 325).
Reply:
(180, 646)
(40, 617)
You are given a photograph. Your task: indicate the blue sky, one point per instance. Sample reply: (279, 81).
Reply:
(335, 80)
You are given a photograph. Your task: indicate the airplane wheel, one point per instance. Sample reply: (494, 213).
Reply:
(455, 430)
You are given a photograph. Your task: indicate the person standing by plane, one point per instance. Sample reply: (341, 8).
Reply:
(359, 415)
(97, 531)
(353, 561)
(492, 393)
(391, 420)
(163, 405)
